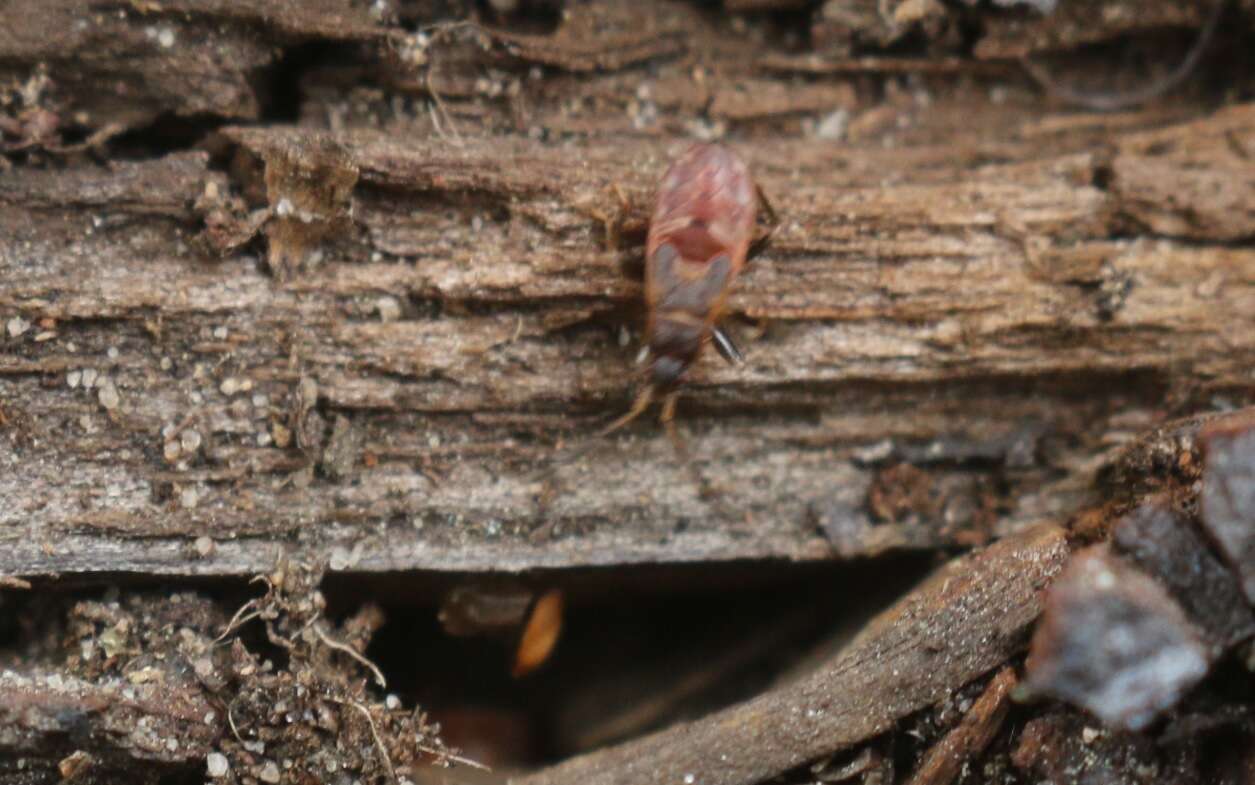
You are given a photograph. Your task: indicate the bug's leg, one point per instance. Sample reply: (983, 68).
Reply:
(759, 243)
(726, 347)
(668, 422)
(614, 225)
(642, 402)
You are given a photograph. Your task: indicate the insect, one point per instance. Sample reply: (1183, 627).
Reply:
(700, 236)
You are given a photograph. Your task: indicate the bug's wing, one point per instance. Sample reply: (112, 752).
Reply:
(692, 288)
(698, 238)
(706, 203)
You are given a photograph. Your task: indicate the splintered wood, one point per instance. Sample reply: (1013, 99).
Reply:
(942, 764)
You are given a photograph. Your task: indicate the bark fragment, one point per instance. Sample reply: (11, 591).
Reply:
(1228, 497)
(1171, 550)
(1114, 642)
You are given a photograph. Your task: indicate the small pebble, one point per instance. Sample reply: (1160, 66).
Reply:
(204, 546)
(216, 765)
(204, 667)
(108, 395)
(389, 309)
(17, 325)
(269, 772)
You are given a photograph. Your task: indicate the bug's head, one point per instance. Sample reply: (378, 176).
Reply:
(666, 371)
(673, 346)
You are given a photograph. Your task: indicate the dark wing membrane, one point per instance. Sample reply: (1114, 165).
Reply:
(693, 294)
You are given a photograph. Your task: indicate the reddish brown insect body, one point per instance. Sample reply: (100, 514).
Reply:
(699, 237)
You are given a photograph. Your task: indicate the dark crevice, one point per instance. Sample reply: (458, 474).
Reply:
(640, 646)
(631, 637)
(525, 17)
(1102, 176)
(167, 134)
(280, 86)
(279, 90)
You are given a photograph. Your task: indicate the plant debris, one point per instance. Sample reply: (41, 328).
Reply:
(1113, 641)
(1132, 625)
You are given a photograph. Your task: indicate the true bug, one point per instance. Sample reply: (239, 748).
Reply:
(700, 236)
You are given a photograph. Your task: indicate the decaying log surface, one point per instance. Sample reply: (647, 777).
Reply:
(967, 301)
(469, 319)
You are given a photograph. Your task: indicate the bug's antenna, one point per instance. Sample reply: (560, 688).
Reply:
(642, 402)
(668, 422)
(643, 399)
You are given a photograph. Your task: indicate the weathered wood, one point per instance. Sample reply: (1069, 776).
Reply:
(1072, 25)
(456, 343)
(962, 622)
(126, 64)
(47, 716)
